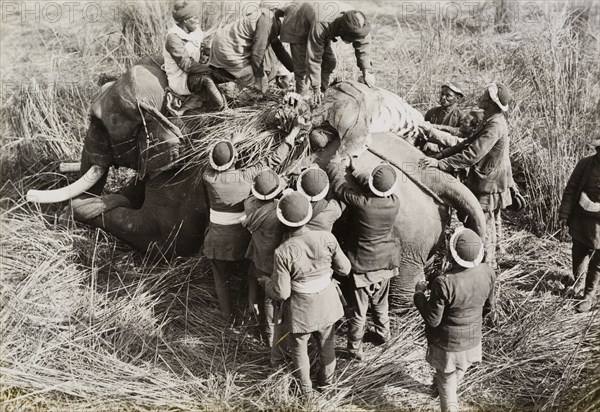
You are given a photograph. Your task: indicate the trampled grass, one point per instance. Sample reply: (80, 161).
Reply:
(88, 324)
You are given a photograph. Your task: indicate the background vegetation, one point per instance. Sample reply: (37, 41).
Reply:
(89, 324)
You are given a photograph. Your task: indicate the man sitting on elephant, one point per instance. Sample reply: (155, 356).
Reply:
(182, 54)
(371, 248)
(487, 150)
(226, 239)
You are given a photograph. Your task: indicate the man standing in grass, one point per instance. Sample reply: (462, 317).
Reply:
(226, 239)
(486, 152)
(580, 211)
(454, 312)
(371, 247)
(310, 41)
(304, 265)
(267, 233)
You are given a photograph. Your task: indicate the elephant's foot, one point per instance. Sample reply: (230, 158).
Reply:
(85, 209)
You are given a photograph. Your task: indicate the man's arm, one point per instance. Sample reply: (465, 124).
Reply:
(568, 198)
(339, 261)
(432, 309)
(362, 51)
(282, 55)
(274, 159)
(490, 303)
(314, 53)
(279, 285)
(443, 138)
(260, 42)
(471, 153)
(341, 189)
(176, 48)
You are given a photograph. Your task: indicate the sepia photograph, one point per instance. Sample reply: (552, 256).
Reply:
(286, 205)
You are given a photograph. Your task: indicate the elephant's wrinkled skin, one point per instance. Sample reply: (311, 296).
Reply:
(172, 212)
(169, 210)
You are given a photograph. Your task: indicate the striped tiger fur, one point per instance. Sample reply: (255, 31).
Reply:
(356, 111)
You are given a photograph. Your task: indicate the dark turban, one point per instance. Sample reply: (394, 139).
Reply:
(354, 25)
(183, 10)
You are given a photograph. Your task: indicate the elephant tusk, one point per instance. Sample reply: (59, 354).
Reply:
(69, 167)
(84, 183)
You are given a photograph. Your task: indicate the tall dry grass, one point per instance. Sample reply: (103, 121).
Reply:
(44, 124)
(87, 324)
(557, 82)
(549, 59)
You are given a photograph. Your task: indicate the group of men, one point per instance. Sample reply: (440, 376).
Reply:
(250, 51)
(286, 232)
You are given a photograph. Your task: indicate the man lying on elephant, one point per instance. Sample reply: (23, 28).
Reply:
(182, 54)
(248, 51)
(226, 239)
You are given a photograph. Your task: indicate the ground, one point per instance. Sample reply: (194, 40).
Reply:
(89, 324)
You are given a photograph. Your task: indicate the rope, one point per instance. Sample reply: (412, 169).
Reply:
(417, 182)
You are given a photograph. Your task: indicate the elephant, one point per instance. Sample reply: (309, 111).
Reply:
(167, 212)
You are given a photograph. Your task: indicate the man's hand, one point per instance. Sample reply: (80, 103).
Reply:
(368, 78)
(262, 280)
(317, 97)
(426, 126)
(428, 162)
(292, 99)
(421, 286)
(261, 83)
(302, 123)
(564, 225)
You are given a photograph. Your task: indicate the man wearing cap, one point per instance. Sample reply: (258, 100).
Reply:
(487, 153)
(310, 42)
(448, 114)
(267, 233)
(580, 211)
(182, 54)
(371, 248)
(303, 267)
(226, 239)
(314, 184)
(454, 312)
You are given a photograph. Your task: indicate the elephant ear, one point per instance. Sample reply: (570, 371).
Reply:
(159, 141)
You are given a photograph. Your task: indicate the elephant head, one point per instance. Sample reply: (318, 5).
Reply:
(126, 129)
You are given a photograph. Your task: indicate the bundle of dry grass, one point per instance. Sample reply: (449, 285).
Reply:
(89, 324)
(256, 122)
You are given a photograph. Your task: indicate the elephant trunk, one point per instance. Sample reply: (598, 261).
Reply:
(441, 186)
(466, 204)
(86, 182)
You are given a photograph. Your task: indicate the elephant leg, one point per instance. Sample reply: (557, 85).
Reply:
(402, 287)
(133, 226)
(135, 192)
